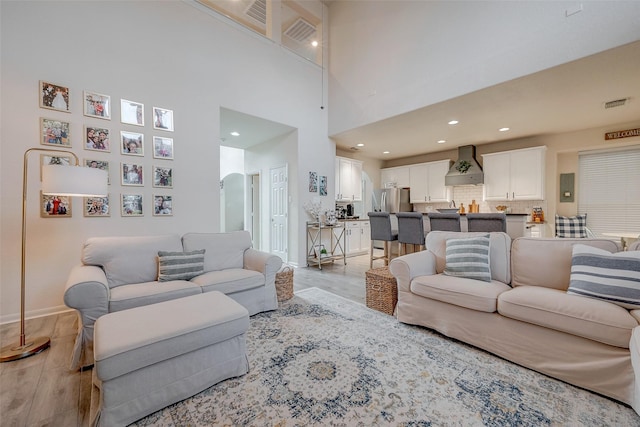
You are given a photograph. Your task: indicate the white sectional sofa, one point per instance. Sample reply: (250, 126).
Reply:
(119, 273)
(524, 314)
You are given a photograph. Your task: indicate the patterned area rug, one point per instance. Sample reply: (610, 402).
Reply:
(323, 360)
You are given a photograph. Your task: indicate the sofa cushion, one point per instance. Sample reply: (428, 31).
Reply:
(127, 260)
(585, 317)
(180, 265)
(223, 250)
(571, 226)
(229, 281)
(139, 294)
(596, 273)
(468, 258)
(468, 293)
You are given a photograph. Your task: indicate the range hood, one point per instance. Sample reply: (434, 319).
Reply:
(466, 170)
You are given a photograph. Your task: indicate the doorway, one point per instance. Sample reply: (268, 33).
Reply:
(279, 212)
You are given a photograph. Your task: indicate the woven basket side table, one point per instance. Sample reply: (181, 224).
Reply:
(284, 283)
(382, 290)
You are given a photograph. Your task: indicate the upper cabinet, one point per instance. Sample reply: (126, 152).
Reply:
(514, 175)
(348, 179)
(426, 181)
(395, 177)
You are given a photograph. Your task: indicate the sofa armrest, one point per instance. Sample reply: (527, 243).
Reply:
(87, 291)
(268, 265)
(407, 267)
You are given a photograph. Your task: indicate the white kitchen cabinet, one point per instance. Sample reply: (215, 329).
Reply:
(358, 237)
(348, 179)
(427, 182)
(395, 177)
(514, 175)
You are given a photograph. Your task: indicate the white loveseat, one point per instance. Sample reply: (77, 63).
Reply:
(119, 273)
(524, 314)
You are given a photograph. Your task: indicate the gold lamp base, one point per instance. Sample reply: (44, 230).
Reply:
(33, 346)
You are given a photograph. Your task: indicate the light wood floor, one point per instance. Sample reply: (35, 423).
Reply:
(41, 390)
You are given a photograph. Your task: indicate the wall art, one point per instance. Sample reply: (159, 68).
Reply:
(163, 119)
(132, 174)
(162, 205)
(54, 206)
(55, 132)
(96, 139)
(162, 177)
(96, 206)
(54, 97)
(131, 112)
(132, 143)
(131, 205)
(97, 105)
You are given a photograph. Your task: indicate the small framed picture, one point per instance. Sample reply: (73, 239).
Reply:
(99, 164)
(132, 205)
(323, 185)
(55, 132)
(97, 105)
(53, 206)
(96, 139)
(96, 206)
(132, 144)
(131, 113)
(162, 148)
(162, 119)
(46, 159)
(313, 182)
(131, 174)
(162, 177)
(54, 97)
(162, 205)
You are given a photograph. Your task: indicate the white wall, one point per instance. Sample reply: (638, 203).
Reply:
(169, 54)
(390, 57)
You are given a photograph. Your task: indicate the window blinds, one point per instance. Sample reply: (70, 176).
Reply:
(609, 190)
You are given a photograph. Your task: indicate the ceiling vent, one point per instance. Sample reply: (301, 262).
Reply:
(301, 31)
(257, 11)
(616, 103)
(354, 149)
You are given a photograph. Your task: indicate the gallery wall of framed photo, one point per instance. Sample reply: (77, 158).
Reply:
(116, 140)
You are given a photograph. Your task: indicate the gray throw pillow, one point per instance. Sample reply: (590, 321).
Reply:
(180, 265)
(468, 258)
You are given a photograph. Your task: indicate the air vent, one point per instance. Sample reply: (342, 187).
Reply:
(354, 149)
(616, 103)
(301, 31)
(258, 11)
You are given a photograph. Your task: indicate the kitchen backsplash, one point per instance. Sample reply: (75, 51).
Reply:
(466, 194)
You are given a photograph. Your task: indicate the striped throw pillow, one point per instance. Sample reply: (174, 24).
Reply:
(468, 258)
(180, 265)
(597, 273)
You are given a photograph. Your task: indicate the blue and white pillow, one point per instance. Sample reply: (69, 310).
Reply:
(180, 265)
(571, 226)
(468, 258)
(596, 273)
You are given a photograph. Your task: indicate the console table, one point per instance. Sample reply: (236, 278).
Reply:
(334, 244)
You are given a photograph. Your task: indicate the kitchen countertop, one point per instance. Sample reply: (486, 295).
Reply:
(463, 214)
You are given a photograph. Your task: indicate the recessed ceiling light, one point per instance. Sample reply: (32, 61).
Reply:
(314, 43)
(234, 133)
(360, 145)
(385, 152)
(503, 129)
(454, 122)
(442, 141)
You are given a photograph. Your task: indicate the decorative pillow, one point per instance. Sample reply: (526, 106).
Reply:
(468, 258)
(571, 226)
(180, 265)
(597, 273)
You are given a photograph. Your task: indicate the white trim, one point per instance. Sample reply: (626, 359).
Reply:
(33, 314)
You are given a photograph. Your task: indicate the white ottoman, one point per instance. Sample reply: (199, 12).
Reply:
(149, 357)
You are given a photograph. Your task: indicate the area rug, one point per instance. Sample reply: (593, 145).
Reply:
(324, 360)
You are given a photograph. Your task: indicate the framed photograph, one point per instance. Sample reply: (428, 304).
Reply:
(96, 139)
(132, 144)
(131, 174)
(323, 185)
(162, 205)
(55, 132)
(97, 105)
(132, 205)
(313, 182)
(52, 206)
(96, 206)
(99, 164)
(162, 177)
(162, 148)
(131, 113)
(54, 97)
(162, 119)
(46, 159)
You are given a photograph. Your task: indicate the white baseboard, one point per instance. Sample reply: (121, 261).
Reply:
(15, 317)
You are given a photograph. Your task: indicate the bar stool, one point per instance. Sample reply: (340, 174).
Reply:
(444, 221)
(410, 230)
(487, 222)
(381, 230)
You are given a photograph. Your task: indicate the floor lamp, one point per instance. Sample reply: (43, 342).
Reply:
(63, 181)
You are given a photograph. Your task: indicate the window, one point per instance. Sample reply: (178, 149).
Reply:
(609, 190)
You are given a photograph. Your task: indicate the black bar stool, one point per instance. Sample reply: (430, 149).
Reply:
(444, 221)
(410, 230)
(381, 230)
(487, 222)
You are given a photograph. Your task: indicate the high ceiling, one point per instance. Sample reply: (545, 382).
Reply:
(565, 98)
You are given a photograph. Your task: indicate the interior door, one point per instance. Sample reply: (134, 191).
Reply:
(279, 212)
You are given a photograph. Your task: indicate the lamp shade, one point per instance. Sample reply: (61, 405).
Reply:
(74, 181)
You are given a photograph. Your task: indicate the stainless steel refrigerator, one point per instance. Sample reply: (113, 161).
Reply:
(391, 200)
